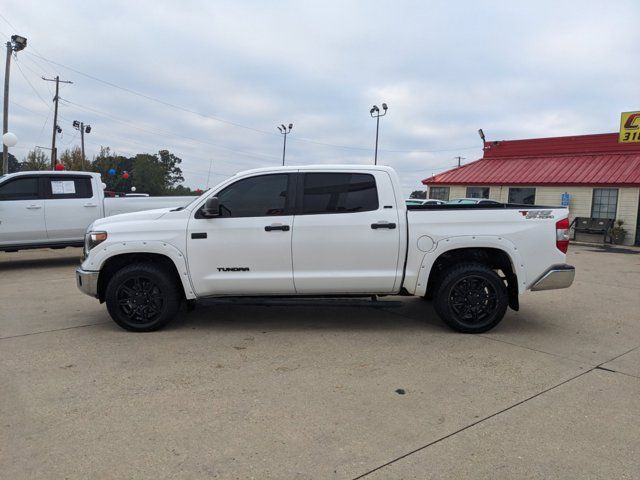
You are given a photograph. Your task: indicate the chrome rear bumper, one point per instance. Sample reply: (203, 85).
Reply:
(557, 276)
(87, 282)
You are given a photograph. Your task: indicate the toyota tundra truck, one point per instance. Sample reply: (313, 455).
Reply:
(323, 231)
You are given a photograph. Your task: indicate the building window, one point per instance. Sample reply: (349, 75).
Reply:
(477, 192)
(605, 201)
(439, 193)
(525, 196)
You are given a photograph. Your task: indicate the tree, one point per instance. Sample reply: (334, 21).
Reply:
(418, 194)
(173, 173)
(14, 165)
(155, 174)
(72, 159)
(105, 161)
(35, 160)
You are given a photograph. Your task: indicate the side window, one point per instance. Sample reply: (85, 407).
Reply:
(526, 196)
(439, 193)
(262, 196)
(477, 192)
(25, 188)
(604, 203)
(339, 193)
(68, 187)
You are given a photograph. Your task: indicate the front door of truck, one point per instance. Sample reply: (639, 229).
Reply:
(346, 233)
(71, 205)
(247, 249)
(22, 211)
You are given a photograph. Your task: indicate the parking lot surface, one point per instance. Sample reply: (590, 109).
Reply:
(320, 389)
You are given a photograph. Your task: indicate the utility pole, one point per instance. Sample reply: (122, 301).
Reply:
(16, 44)
(83, 129)
(285, 132)
(375, 113)
(56, 128)
(460, 160)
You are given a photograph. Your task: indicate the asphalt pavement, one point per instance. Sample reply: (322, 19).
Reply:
(320, 389)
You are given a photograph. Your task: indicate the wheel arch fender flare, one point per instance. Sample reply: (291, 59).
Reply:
(105, 253)
(470, 242)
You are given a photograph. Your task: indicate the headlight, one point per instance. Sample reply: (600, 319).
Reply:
(93, 239)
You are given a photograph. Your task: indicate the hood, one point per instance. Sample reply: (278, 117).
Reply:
(131, 217)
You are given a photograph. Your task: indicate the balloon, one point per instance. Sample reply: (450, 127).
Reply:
(125, 175)
(59, 167)
(9, 139)
(133, 189)
(111, 172)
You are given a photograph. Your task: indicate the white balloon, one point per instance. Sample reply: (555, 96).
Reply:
(133, 189)
(9, 139)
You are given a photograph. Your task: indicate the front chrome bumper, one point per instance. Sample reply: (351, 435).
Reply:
(87, 282)
(557, 276)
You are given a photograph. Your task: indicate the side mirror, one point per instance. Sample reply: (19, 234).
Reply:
(211, 208)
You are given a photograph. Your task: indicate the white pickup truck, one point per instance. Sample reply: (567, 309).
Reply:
(47, 209)
(324, 231)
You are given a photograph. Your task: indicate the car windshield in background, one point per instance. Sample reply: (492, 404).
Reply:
(414, 202)
(458, 201)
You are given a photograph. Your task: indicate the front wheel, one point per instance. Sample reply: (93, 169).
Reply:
(142, 297)
(471, 298)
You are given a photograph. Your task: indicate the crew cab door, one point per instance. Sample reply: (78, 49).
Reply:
(71, 205)
(346, 235)
(22, 211)
(247, 249)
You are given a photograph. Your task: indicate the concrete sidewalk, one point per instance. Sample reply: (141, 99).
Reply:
(293, 389)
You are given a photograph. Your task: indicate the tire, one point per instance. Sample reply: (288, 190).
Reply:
(471, 298)
(142, 297)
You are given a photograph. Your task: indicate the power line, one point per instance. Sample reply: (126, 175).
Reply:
(229, 122)
(163, 133)
(31, 84)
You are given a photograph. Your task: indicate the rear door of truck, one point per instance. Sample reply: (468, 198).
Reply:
(346, 233)
(72, 203)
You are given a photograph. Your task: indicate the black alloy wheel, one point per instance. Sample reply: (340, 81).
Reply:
(143, 297)
(471, 298)
(139, 299)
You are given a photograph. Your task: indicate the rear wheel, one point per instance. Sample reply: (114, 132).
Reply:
(471, 298)
(142, 297)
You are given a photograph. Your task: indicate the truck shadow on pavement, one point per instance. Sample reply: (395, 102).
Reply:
(300, 315)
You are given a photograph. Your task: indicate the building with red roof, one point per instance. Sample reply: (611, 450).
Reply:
(599, 177)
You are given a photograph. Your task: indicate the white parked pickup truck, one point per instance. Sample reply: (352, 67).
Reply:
(324, 231)
(48, 209)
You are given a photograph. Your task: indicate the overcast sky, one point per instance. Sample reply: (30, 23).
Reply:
(229, 72)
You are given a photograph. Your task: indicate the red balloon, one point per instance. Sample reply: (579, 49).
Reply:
(59, 167)
(125, 175)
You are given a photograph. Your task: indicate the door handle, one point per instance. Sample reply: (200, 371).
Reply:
(270, 228)
(34, 207)
(388, 225)
(90, 204)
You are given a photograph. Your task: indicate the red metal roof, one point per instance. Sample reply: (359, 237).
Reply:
(578, 160)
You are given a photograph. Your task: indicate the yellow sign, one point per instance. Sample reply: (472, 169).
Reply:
(629, 127)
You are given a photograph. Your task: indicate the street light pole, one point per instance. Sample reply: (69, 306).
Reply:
(285, 131)
(83, 129)
(375, 113)
(16, 44)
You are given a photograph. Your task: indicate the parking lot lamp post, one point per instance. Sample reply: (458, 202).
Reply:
(16, 44)
(285, 131)
(375, 113)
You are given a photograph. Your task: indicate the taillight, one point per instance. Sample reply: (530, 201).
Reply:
(562, 235)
